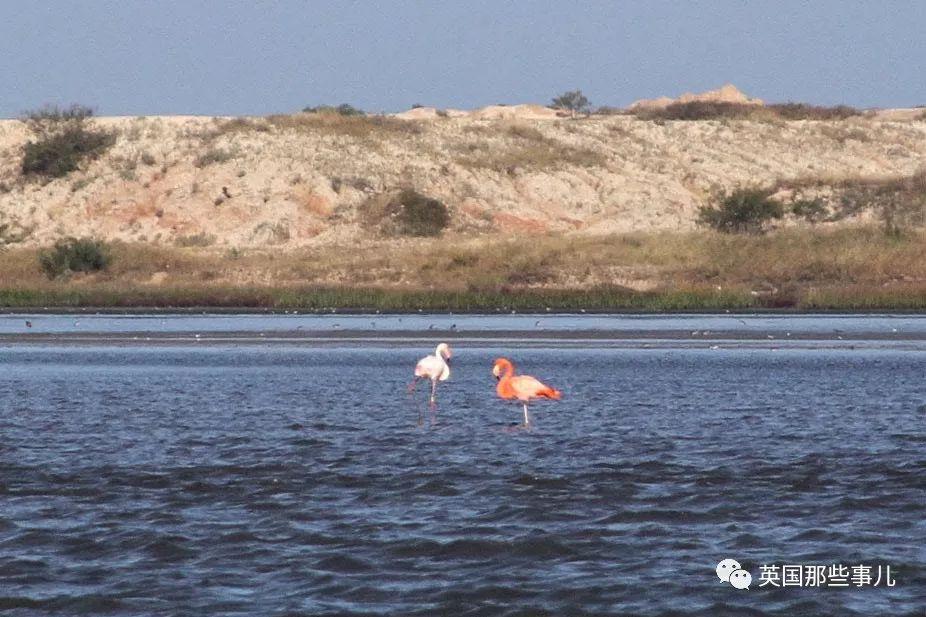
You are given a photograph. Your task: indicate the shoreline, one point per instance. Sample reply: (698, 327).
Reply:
(458, 336)
(207, 310)
(696, 330)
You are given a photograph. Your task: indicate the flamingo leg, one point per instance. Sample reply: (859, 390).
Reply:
(527, 418)
(433, 392)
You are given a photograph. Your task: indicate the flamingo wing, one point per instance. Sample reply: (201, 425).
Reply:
(526, 387)
(432, 367)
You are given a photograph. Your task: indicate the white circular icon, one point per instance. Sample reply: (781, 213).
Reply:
(725, 568)
(740, 579)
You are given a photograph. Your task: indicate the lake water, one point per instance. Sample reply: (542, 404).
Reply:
(275, 465)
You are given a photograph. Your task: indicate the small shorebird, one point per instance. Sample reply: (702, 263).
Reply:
(521, 387)
(435, 367)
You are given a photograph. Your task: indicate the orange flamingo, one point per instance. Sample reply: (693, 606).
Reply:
(521, 387)
(435, 367)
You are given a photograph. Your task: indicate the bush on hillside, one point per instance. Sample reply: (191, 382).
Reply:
(213, 156)
(64, 139)
(743, 210)
(74, 255)
(811, 210)
(420, 215)
(343, 110)
(719, 110)
(699, 110)
(803, 111)
(899, 202)
(407, 213)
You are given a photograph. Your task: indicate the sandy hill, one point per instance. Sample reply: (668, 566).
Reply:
(300, 180)
(725, 94)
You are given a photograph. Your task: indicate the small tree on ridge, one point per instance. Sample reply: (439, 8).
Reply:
(573, 101)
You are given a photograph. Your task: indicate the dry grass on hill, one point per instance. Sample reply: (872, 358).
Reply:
(300, 180)
(852, 267)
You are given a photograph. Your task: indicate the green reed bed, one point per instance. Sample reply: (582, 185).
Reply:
(319, 299)
(907, 298)
(379, 299)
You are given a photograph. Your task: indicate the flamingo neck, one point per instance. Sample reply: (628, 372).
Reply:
(507, 370)
(504, 388)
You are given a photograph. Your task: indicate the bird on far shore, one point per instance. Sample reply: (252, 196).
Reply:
(520, 387)
(435, 367)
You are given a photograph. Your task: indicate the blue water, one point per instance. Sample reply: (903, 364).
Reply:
(295, 476)
(292, 322)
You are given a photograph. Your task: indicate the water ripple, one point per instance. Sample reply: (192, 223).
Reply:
(153, 481)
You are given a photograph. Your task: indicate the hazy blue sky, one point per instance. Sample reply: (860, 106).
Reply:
(198, 57)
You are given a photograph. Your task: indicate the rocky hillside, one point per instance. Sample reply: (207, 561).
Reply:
(307, 179)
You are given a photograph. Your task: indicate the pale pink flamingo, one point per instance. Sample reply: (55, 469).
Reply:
(521, 387)
(435, 367)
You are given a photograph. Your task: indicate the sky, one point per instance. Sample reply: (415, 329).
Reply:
(256, 57)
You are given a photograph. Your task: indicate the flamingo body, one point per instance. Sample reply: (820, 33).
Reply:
(434, 367)
(523, 388)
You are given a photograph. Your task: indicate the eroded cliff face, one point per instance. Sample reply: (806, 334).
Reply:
(303, 180)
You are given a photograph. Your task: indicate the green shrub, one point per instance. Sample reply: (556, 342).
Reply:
(744, 210)
(13, 235)
(718, 110)
(64, 139)
(407, 213)
(51, 118)
(419, 215)
(74, 255)
(349, 110)
(573, 101)
(606, 110)
(811, 210)
(803, 111)
(242, 125)
(898, 201)
(212, 156)
(343, 109)
(271, 233)
(58, 155)
(200, 239)
(699, 110)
